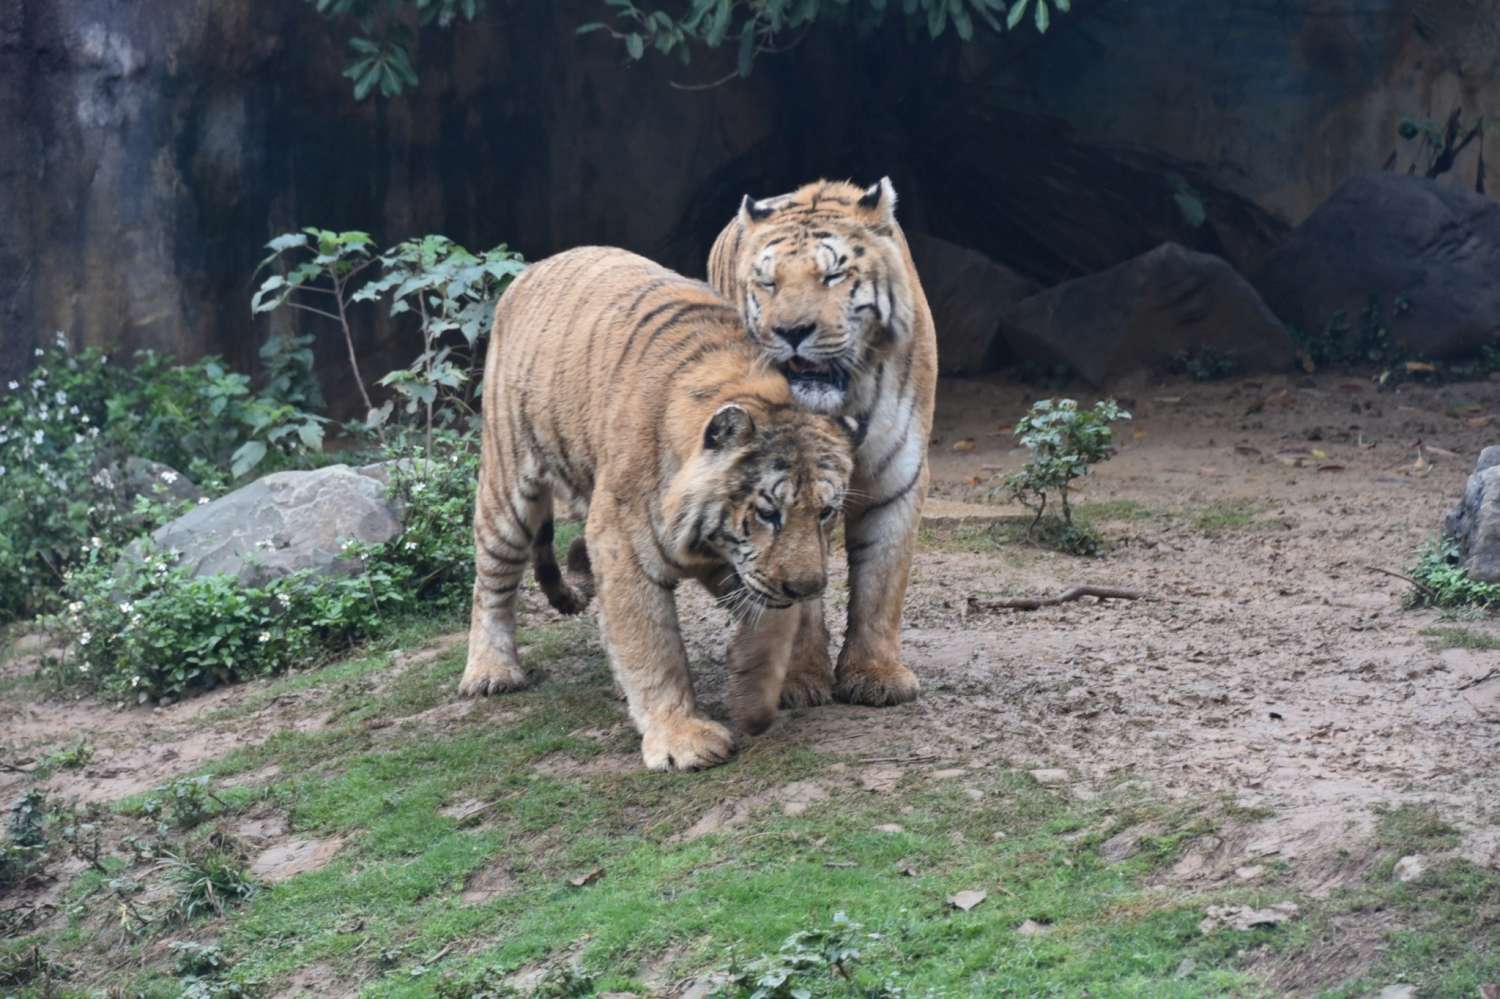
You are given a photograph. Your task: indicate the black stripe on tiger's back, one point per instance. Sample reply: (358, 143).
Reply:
(684, 316)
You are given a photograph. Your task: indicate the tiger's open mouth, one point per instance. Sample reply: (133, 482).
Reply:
(799, 369)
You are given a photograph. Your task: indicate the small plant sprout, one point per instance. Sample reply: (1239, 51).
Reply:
(1065, 442)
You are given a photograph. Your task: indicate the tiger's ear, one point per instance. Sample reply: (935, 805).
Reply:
(880, 197)
(752, 211)
(731, 426)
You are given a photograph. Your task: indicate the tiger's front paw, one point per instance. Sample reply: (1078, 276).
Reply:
(878, 682)
(686, 744)
(807, 688)
(490, 674)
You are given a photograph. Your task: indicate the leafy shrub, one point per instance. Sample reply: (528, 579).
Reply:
(803, 959)
(75, 416)
(149, 631)
(1065, 442)
(1442, 582)
(445, 287)
(209, 877)
(25, 838)
(184, 803)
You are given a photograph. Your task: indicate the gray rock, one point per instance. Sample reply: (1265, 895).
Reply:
(1140, 315)
(1391, 238)
(1475, 522)
(968, 292)
(283, 523)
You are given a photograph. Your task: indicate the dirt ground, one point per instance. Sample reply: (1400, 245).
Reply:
(1275, 670)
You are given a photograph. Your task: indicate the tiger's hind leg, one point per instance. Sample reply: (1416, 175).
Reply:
(508, 514)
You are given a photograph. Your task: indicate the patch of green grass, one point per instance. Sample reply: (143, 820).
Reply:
(1104, 511)
(1459, 637)
(1440, 926)
(1218, 518)
(1443, 582)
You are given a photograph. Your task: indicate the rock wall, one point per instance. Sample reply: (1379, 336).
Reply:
(152, 148)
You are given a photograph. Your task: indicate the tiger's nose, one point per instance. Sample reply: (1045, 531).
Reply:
(802, 589)
(794, 335)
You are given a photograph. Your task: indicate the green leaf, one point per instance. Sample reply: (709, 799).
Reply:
(1017, 11)
(746, 59)
(584, 29)
(719, 26)
(287, 241)
(246, 457)
(1043, 16)
(635, 45)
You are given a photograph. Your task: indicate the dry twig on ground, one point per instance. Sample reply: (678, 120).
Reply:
(1076, 593)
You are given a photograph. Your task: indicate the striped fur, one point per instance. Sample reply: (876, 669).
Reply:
(826, 286)
(629, 395)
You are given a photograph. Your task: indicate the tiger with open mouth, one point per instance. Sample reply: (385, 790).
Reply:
(825, 283)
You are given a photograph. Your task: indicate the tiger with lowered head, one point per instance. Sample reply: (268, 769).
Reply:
(619, 388)
(826, 285)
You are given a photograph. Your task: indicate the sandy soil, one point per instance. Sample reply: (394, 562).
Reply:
(1275, 670)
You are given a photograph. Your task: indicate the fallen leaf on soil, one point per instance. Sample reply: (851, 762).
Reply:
(1425, 367)
(966, 900)
(1248, 451)
(1478, 421)
(1441, 452)
(585, 879)
(1169, 400)
(1138, 434)
(1330, 467)
(1243, 917)
(889, 827)
(1050, 778)
(967, 444)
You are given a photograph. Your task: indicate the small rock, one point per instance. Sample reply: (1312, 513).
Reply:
(966, 900)
(889, 827)
(1249, 873)
(1243, 917)
(1121, 846)
(1050, 778)
(881, 779)
(1031, 928)
(948, 774)
(799, 796)
(1396, 992)
(1187, 967)
(1410, 868)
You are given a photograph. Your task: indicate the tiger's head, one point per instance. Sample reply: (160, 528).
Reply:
(762, 495)
(821, 283)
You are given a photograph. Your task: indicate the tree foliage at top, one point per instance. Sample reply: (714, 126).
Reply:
(382, 58)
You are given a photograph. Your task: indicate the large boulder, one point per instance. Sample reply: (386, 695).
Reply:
(283, 523)
(1144, 315)
(1427, 254)
(968, 292)
(1475, 522)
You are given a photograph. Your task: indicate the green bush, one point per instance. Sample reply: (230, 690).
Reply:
(1065, 442)
(1442, 582)
(147, 630)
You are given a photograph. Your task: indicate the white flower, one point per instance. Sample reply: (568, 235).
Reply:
(169, 477)
(38, 437)
(76, 607)
(84, 418)
(14, 385)
(285, 599)
(411, 546)
(62, 341)
(73, 410)
(86, 666)
(40, 352)
(95, 543)
(135, 681)
(265, 637)
(93, 431)
(2, 469)
(60, 397)
(202, 500)
(126, 607)
(85, 638)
